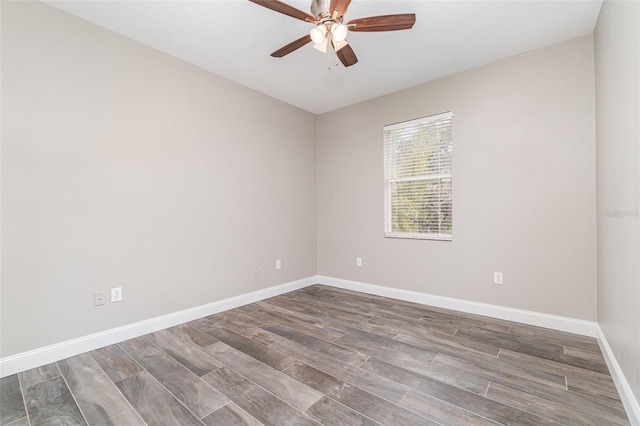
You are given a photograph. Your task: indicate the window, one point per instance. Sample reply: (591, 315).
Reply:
(417, 178)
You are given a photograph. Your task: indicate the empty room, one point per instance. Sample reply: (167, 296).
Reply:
(319, 212)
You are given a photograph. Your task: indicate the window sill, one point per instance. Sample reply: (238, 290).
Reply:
(436, 237)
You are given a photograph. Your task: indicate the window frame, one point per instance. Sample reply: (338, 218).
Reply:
(388, 219)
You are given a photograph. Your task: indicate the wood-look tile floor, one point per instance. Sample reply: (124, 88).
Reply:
(328, 356)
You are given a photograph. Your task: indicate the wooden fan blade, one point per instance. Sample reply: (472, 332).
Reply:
(347, 56)
(383, 23)
(341, 5)
(285, 9)
(294, 45)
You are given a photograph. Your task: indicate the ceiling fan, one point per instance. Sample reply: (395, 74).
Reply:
(328, 20)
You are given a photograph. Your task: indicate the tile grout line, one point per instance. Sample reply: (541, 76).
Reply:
(355, 411)
(199, 378)
(236, 318)
(170, 393)
(354, 385)
(553, 362)
(268, 391)
(346, 381)
(362, 363)
(202, 318)
(275, 321)
(24, 401)
(330, 342)
(72, 394)
(534, 369)
(371, 356)
(116, 387)
(466, 410)
(404, 396)
(170, 356)
(163, 386)
(418, 414)
(527, 408)
(486, 391)
(253, 327)
(301, 362)
(294, 318)
(43, 380)
(343, 380)
(337, 375)
(266, 346)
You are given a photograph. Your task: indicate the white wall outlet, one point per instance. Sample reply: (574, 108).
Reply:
(358, 261)
(116, 294)
(256, 268)
(278, 264)
(497, 278)
(99, 298)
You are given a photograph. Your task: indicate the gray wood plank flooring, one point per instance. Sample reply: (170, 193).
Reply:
(200, 398)
(13, 408)
(230, 415)
(156, 405)
(322, 355)
(97, 397)
(290, 391)
(115, 362)
(51, 402)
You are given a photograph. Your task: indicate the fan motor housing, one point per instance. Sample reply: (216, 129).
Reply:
(320, 9)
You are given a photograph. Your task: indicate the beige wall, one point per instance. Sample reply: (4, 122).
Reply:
(122, 166)
(524, 186)
(617, 60)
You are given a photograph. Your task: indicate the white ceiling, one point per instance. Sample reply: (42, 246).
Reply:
(234, 38)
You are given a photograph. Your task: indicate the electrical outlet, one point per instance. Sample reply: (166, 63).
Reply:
(278, 264)
(256, 268)
(99, 298)
(497, 278)
(116, 294)
(358, 261)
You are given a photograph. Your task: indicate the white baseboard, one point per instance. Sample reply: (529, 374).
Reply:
(41, 356)
(571, 325)
(631, 404)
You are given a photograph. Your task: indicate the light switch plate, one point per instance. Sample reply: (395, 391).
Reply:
(116, 294)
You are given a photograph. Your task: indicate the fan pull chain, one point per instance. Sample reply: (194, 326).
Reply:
(333, 57)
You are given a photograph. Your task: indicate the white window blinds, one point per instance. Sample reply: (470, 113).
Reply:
(417, 178)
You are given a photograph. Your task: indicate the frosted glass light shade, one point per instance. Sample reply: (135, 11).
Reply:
(317, 34)
(339, 32)
(322, 46)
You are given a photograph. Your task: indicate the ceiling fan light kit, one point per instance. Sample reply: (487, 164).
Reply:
(328, 20)
(322, 46)
(318, 34)
(339, 31)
